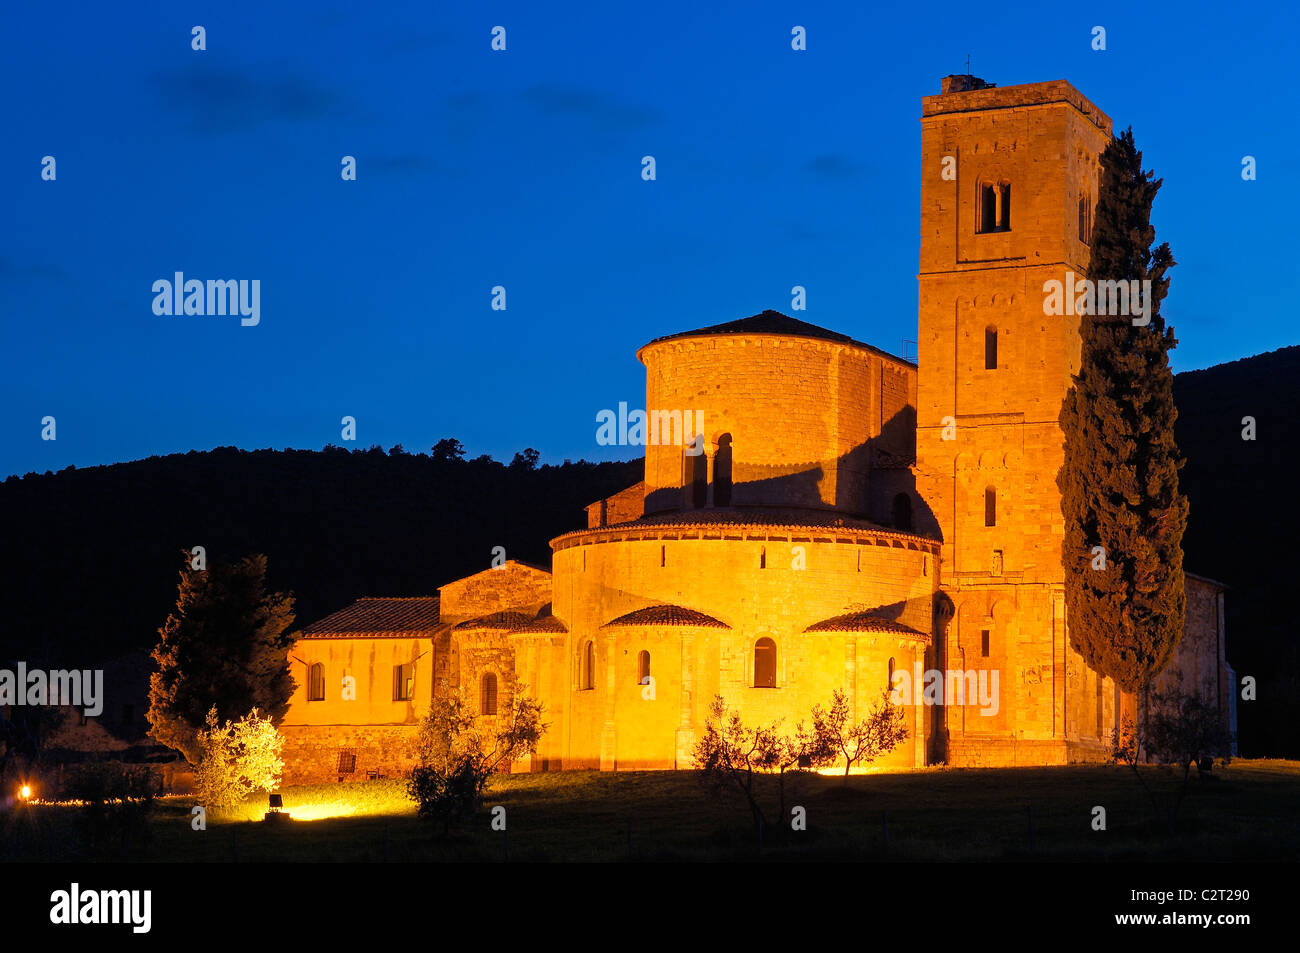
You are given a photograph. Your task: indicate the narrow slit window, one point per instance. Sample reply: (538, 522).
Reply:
(1101, 706)
(990, 348)
(990, 507)
(587, 667)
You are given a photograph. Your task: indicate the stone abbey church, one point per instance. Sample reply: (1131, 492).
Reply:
(852, 515)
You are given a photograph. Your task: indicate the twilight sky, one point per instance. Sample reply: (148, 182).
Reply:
(522, 169)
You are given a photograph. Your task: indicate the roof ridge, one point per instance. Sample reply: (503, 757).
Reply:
(770, 321)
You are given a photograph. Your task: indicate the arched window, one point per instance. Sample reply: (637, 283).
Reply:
(488, 695)
(316, 682)
(722, 472)
(990, 506)
(642, 667)
(765, 663)
(990, 348)
(695, 472)
(903, 512)
(994, 209)
(889, 684)
(587, 666)
(988, 220)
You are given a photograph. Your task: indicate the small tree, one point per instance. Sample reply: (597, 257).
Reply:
(237, 759)
(812, 747)
(883, 730)
(731, 756)
(1178, 729)
(455, 761)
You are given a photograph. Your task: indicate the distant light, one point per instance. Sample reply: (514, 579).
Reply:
(25, 792)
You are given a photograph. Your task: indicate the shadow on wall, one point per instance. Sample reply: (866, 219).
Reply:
(873, 481)
(936, 656)
(916, 613)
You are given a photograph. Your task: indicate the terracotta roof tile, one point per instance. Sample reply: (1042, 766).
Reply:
(746, 518)
(774, 322)
(505, 621)
(667, 615)
(546, 623)
(868, 620)
(378, 617)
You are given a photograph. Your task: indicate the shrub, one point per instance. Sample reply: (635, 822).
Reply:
(237, 759)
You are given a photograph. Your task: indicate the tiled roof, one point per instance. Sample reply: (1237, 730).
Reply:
(667, 615)
(868, 620)
(546, 623)
(755, 516)
(750, 518)
(378, 617)
(774, 322)
(505, 621)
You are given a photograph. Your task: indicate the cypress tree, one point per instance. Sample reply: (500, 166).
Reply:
(226, 644)
(1119, 482)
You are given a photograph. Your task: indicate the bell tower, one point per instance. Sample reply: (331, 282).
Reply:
(1008, 183)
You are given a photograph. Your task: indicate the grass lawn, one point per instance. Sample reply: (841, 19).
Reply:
(1249, 811)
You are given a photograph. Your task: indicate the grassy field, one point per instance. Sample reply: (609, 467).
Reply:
(1249, 811)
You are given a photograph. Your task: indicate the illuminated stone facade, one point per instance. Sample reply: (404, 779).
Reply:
(830, 515)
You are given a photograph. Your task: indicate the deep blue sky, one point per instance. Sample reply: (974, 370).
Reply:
(522, 169)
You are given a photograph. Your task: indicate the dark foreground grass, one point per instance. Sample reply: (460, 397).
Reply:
(1249, 811)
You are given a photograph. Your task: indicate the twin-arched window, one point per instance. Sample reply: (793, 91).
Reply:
(994, 212)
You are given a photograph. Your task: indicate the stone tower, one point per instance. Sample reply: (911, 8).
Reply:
(1008, 183)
